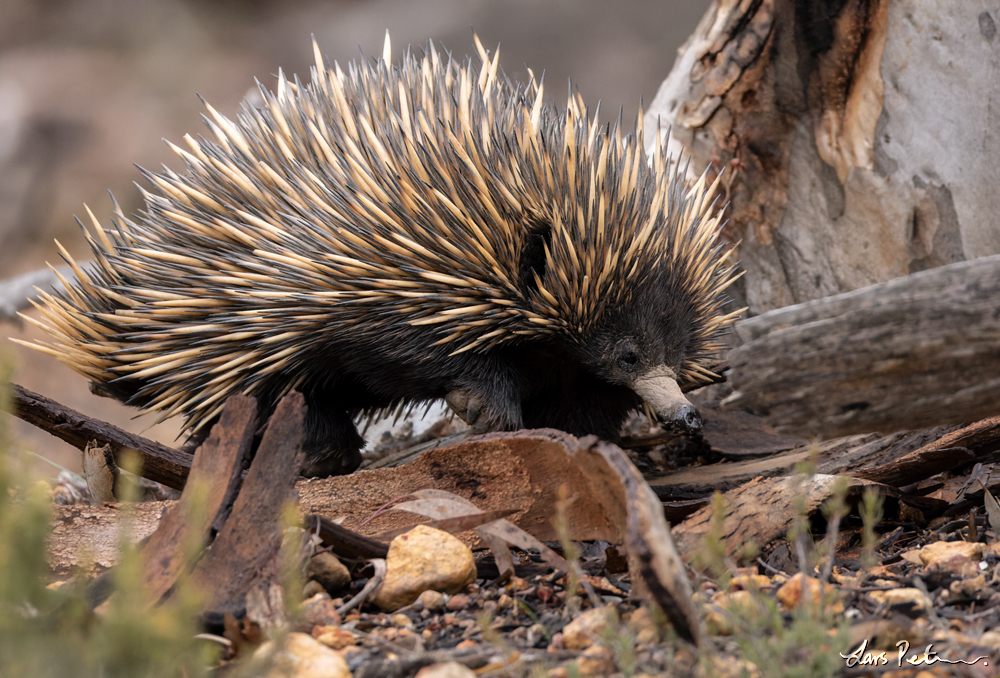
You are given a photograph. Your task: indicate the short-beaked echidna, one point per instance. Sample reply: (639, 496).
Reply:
(395, 234)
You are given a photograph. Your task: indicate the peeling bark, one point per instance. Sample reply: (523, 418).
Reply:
(858, 137)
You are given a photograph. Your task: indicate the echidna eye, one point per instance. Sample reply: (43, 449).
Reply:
(628, 359)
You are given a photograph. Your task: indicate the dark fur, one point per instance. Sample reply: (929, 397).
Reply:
(575, 387)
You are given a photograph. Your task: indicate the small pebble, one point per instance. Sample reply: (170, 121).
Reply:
(446, 670)
(326, 568)
(587, 628)
(401, 621)
(459, 602)
(303, 657)
(431, 600)
(596, 661)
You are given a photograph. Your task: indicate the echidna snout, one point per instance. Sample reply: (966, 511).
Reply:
(659, 388)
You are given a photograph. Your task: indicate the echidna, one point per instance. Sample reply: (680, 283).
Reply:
(396, 234)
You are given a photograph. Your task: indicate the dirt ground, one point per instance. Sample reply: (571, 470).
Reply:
(89, 87)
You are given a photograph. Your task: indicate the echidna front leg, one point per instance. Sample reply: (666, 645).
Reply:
(469, 408)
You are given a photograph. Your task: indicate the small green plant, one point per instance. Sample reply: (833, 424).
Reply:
(871, 515)
(711, 557)
(834, 509)
(52, 630)
(807, 647)
(570, 551)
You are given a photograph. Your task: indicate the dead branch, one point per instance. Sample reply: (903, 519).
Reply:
(159, 463)
(17, 293)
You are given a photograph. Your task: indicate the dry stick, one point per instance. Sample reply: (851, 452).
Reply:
(373, 585)
(159, 463)
(346, 543)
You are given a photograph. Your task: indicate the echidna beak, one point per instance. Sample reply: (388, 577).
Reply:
(659, 388)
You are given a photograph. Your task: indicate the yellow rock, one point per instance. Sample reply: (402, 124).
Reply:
(941, 550)
(303, 657)
(822, 597)
(901, 597)
(446, 670)
(587, 628)
(424, 559)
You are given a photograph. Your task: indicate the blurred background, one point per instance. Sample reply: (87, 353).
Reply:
(90, 88)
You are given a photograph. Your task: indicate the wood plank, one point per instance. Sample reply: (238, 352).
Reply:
(241, 555)
(215, 479)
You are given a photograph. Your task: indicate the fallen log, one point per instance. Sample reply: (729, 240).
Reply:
(917, 351)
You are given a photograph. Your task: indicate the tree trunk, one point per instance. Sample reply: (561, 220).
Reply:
(859, 137)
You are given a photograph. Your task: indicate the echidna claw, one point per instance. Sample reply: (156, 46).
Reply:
(469, 408)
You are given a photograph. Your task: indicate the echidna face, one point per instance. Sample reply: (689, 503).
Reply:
(644, 351)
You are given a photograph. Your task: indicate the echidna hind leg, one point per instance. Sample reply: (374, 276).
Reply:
(332, 442)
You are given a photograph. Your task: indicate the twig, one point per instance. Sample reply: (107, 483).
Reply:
(370, 588)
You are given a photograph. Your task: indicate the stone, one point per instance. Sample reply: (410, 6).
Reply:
(401, 621)
(749, 582)
(821, 596)
(941, 550)
(587, 628)
(320, 610)
(424, 558)
(459, 602)
(902, 596)
(726, 606)
(990, 639)
(446, 670)
(335, 637)
(431, 600)
(596, 661)
(327, 569)
(300, 655)
(646, 630)
(311, 589)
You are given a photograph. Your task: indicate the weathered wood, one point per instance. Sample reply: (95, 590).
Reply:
(917, 351)
(838, 456)
(346, 543)
(160, 463)
(240, 555)
(765, 508)
(652, 555)
(954, 448)
(850, 135)
(87, 539)
(917, 466)
(215, 478)
(521, 470)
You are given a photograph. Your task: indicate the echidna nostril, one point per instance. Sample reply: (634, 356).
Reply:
(687, 418)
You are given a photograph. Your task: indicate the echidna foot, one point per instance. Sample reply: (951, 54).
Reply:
(470, 408)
